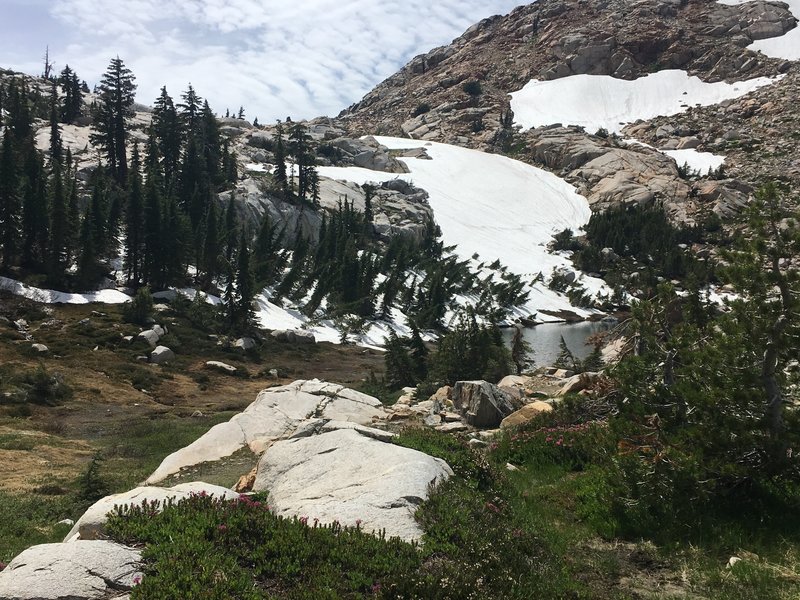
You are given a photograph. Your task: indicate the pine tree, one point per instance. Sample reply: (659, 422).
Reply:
(231, 229)
(190, 111)
(210, 257)
(34, 212)
(115, 105)
(268, 259)
(58, 247)
(87, 261)
(245, 291)
(168, 131)
(134, 222)
(73, 95)
(280, 159)
(56, 144)
(9, 203)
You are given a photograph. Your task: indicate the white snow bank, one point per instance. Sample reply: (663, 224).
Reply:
(697, 161)
(601, 101)
(493, 206)
(55, 297)
(785, 46)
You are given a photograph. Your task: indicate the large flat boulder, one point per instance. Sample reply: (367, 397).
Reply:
(481, 404)
(276, 413)
(352, 476)
(83, 570)
(92, 525)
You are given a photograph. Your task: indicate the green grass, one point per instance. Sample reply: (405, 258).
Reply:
(135, 449)
(29, 519)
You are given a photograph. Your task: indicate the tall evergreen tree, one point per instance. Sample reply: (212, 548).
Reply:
(280, 159)
(134, 222)
(34, 211)
(168, 131)
(56, 143)
(9, 203)
(115, 105)
(210, 257)
(58, 246)
(190, 111)
(73, 95)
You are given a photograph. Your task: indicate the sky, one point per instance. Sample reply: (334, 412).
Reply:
(276, 58)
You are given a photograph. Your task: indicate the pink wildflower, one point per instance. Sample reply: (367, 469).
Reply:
(137, 580)
(223, 528)
(304, 520)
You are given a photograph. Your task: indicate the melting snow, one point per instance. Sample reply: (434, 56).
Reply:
(495, 207)
(697, 161)
(54, 297)
(601, 101)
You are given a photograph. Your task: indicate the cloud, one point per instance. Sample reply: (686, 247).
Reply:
(274, 57)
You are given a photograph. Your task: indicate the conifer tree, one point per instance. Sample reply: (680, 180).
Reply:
(34, 211)
(134, 222)
(190, 110)
(56, 144)
(245, 290)
(87, 261)
(58, 247)
(117, 91)
(168, 130)
(268, 259)
(280, 159)
(73, 95)
(9, 203)
(210, 257)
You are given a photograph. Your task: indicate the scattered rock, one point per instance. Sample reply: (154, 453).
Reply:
(162, 355)
(578, 383)
(40, 348)
(525, 414)
(432, 420)
(481, 403)
(563, 373)
(246, 482)
(244, 344)
(221, 366)
(452, 427)
(149, 336)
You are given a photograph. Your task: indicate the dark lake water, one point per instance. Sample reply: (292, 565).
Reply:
(545, 339)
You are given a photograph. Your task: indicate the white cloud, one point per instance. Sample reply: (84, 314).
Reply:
(276, 57)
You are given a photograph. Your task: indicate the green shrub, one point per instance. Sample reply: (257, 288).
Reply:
(140, 308)
(473, 88)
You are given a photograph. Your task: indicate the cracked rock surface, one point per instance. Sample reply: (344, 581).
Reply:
(276, 414)
(84, 570)
(351, 475)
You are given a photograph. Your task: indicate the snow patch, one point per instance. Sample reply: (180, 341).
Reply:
(495, 207)
(54, 297)
(601, 101)
(704, 162)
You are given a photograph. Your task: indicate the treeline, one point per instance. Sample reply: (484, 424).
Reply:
(157, 206)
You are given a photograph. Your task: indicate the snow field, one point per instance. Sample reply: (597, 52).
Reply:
(601, 101)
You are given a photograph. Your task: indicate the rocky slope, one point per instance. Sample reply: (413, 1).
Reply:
(557, 38)
(459, 94)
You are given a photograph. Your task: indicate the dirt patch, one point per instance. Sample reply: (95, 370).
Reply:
(638, 571)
